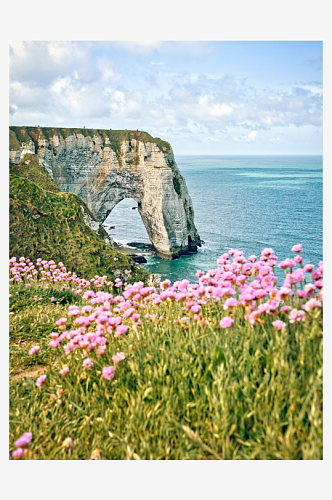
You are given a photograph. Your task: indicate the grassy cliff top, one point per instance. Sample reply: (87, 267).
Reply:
(17, 135)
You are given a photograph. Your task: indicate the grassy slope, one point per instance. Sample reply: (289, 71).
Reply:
(29, 168)
(47, 223)
(195, 393)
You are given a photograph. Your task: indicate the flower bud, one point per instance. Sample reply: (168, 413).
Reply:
(68, 444)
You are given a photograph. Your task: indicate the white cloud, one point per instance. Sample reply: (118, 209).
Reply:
(106, 71)
(252, 135)
(247, 138)
(66, 81)
(313, 88)
(210, 139)
(60, 85)
(42, 62)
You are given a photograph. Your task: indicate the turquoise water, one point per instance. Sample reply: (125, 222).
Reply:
(243, 202)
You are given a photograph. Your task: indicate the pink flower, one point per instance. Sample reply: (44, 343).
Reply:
(41, 380)
(310, 289)
(18, 453)
(231, 302)
(267, 251)
(278, 324)
(226, 322)
(73, 311)
(259, 294)
(87, 363)
(52, 299)
(311, 304)
(61, 321)
(82, 320)
(34, 349)
(298, 259)
(247, 296)
(119, 356)
(129, 312)
(195, 309)
(69, 347)
(120, 330)
(108, 372)
(64, 370)
(24, 440)
(287, 263)
(297, 275)
(54, 343)
(284, 292)
(315, 274)
(308, 268)
(296, 315)
(165, 284)
(86, 309)
(101, 349)
(297, 248)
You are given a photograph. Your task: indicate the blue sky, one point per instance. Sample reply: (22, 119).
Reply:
(203, 97)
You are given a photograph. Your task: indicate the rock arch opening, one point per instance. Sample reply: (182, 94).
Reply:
(125, 225)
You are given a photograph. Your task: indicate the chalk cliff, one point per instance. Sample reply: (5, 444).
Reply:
(104, 167)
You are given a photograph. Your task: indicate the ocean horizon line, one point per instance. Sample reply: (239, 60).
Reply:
(247, 155)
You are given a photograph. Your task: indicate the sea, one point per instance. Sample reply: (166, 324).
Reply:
(243, 202)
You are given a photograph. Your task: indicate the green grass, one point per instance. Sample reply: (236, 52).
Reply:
(14, 143)
(181, 393)
(34, 172)
(32, 319)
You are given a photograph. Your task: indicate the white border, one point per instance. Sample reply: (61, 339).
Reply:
(172, 20)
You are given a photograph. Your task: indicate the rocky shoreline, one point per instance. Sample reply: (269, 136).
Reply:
(137, 254)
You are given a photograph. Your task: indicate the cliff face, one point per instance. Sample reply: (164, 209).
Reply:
(105, 167)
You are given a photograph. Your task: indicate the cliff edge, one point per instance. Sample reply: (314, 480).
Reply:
(104, 167)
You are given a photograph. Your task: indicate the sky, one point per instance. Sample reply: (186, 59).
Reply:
(220, 98)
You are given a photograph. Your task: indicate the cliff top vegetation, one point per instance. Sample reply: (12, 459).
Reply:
(19, 134)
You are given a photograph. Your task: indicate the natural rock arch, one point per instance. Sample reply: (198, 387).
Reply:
(103, 175)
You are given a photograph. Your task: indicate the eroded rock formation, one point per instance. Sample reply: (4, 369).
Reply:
(104, 168)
